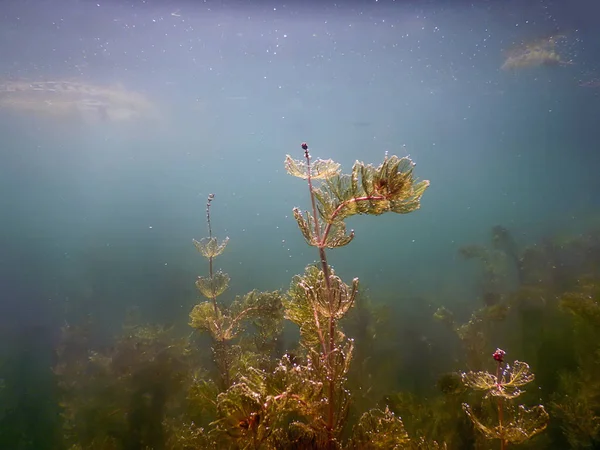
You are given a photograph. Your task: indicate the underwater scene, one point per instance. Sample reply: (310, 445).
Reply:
(247, 224)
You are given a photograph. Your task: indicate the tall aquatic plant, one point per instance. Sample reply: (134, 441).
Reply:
(511, 424)
(319, 299)
(263, 310)
(207, 315)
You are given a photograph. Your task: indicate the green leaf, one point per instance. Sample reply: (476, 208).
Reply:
(210, 247)
(212, 287)
(319, 169)
(371, 190)
(508, 386)
(309, 303)
(520, 423)
(204, 317)
(380, 430)
(336, 235)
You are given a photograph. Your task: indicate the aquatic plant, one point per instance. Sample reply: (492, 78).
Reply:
(577, 401)
(375, 360)
(262, 310)
(500, 268)
(552, 311)
(120, 397)
(500, 264)
(439, 417)
(475, 333)
(319, 299)
(513, 424)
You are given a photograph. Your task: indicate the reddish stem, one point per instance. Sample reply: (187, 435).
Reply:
(329, 356)
(322, 241)
(322, 244)
(500, 407)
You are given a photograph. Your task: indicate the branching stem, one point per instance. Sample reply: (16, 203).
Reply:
(322, 241)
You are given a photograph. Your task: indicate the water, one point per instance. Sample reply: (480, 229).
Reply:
(119, 119)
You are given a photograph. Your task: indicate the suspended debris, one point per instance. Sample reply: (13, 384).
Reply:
(72, 99)
(592, 83)
(540, 52)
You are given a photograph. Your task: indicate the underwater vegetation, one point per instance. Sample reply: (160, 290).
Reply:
(547, 314)
(250, 397)
(513, 424)
(236, 382)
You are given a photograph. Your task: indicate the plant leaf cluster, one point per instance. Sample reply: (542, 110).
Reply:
(308, 303)
(111, 399)
(509, 384)
(577, 402)
(521, 424)
(513, 424)
(390, 187)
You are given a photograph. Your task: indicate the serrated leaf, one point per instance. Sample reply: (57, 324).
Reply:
(306, 224)
(508, 386)
(371, 190)
(380, 429)
(520, 423)
(210, 247)
(319, 169)
(309, 303)
(204, 316)
(212, 287)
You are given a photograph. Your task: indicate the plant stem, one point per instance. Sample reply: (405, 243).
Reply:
(323, 240)
(210, 258)
(221, 345)
(500, 409)
(330, 355)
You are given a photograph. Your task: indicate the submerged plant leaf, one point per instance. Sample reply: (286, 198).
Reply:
(424, 444)
(371, 190)
(205, 317)
(241, 413)
(577, 408)
(145, 370)
(319, 169)
(368, 190)
(520, 424)
(202, 395)
(336, 236)
(263, 311)
(212, 287)
(309, 302)
(446, 316)
(508, 386)
(210, 247)
(299, 386)
(582, 305)
(380, 430)
(185, 435)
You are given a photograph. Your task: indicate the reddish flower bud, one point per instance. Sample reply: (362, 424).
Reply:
(499, 355)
